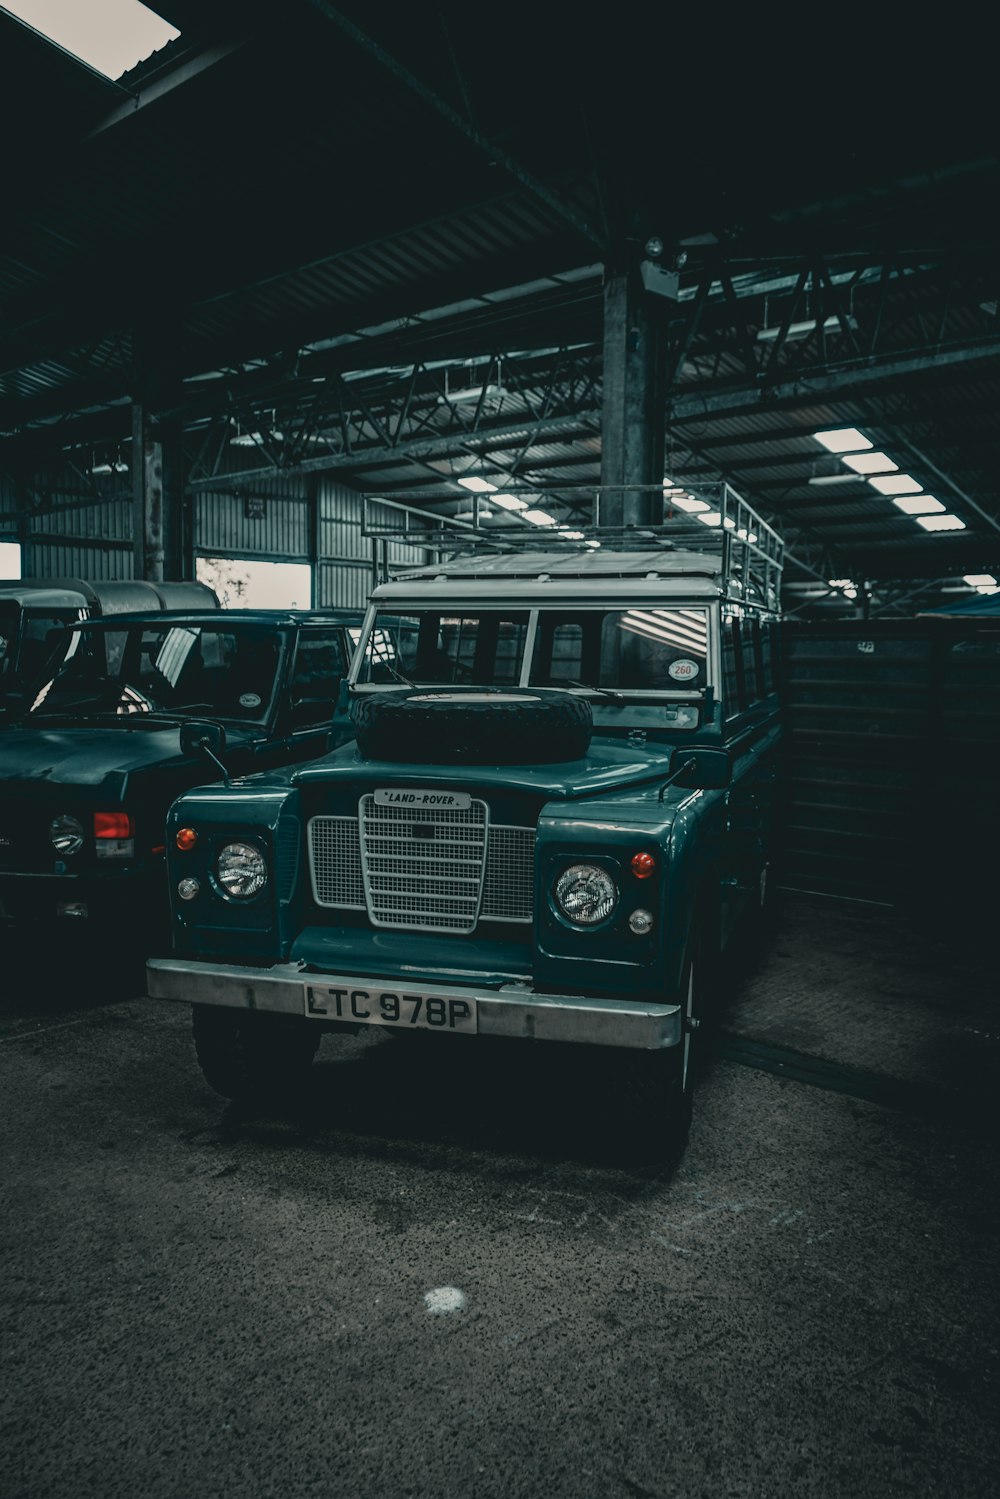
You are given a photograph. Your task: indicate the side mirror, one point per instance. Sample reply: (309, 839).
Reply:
(701, 769)
(200, 736)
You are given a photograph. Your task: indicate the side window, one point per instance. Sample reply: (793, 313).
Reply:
(768, 644)
(567, 654)
(319, 665)
(752, 683)
(732, 667)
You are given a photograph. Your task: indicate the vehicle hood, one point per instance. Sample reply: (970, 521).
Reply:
(100, 758)
(607, 766)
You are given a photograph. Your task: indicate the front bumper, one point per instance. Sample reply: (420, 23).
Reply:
(513, 1011)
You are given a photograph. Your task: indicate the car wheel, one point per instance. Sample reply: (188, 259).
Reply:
(667, 1079)
(251, 1056)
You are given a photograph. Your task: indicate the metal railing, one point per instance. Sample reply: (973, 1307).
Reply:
(750, 551)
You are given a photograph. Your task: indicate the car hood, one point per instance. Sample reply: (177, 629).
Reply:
(607, 766)
(98, 758)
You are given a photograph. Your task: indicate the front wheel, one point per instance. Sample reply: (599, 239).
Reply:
(666, 1085)
(249, 1055)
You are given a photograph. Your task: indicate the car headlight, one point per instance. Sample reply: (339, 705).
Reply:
(241, 870)
(586, 894)
(66, 833)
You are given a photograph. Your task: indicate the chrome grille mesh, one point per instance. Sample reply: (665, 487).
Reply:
(508, 889)
(335, 862)
(432, 885)
(434, 882)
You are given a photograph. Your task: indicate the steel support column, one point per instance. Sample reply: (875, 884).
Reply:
(156, 498)
(632, 417)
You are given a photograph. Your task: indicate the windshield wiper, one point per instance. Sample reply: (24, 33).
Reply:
(615, 697)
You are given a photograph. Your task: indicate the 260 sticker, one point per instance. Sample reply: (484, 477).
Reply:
(683, 671)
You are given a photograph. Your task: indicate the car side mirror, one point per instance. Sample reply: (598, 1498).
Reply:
(701, 769)
(199, 735)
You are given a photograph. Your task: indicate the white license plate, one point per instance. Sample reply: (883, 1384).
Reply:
(401, 1008)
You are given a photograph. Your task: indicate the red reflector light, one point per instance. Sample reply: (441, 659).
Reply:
(186, 838)
(643, 866)
(112, 825)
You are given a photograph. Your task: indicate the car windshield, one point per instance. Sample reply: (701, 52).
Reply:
(637, 650)
(171, 670)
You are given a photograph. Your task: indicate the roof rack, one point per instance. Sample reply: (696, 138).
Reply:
(750, 551)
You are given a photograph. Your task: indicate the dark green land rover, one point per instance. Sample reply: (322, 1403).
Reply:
(556, 807)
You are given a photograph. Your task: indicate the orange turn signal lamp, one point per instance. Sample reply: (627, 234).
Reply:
(643, 865)
(186, 839)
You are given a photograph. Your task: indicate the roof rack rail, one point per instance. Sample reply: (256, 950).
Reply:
(751, 551)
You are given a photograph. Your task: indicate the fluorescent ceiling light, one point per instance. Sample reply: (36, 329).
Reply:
(869, 463)
(746, 535)
(919, 504)
(118, 467)
(571, 535)
(711, 518)
(832, 324)
(896, 484)
(472, 393)
(844, 440)
(539, 517)
(979, 580)
(109, 35)
(835, 479)
(254, 439)
(477, 485)
(686, 502)
(988, 588)
(841, 582)
(940, 522)
(508, 501)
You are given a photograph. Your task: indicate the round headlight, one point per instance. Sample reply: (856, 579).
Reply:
(241, 870)
(67, 834)
(586, 894)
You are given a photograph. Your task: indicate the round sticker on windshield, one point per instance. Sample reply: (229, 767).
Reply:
(249, 700)
(683, 671)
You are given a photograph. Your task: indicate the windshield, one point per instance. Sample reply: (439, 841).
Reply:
(170, 670)
(635, 650)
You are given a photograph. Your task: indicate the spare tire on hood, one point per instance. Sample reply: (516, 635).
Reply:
(481, 726)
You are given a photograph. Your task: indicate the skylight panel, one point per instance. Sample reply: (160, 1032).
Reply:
(108, 35)
(509, 502)
(940, 522)
(869, 463)
(919, 504)
(477, 485)
(844, 440)
(896, 484)
(688, 502)
(538, 517)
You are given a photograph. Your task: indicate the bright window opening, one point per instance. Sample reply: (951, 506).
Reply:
(10, 559)
(109, 35)
(244, 584)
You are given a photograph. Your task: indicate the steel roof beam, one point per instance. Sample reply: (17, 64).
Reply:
(526, 179)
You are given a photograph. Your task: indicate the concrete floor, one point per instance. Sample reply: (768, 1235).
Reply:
(200, 1304)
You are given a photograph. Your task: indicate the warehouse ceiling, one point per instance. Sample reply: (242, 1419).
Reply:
(370, 240)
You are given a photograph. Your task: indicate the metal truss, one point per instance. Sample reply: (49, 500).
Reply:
(449, 414)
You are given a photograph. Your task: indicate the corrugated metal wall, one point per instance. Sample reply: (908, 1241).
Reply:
(344, 559)
(276, 522)
(892, 764)
(272, 523)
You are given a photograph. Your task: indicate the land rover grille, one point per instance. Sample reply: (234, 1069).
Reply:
(420, 870)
